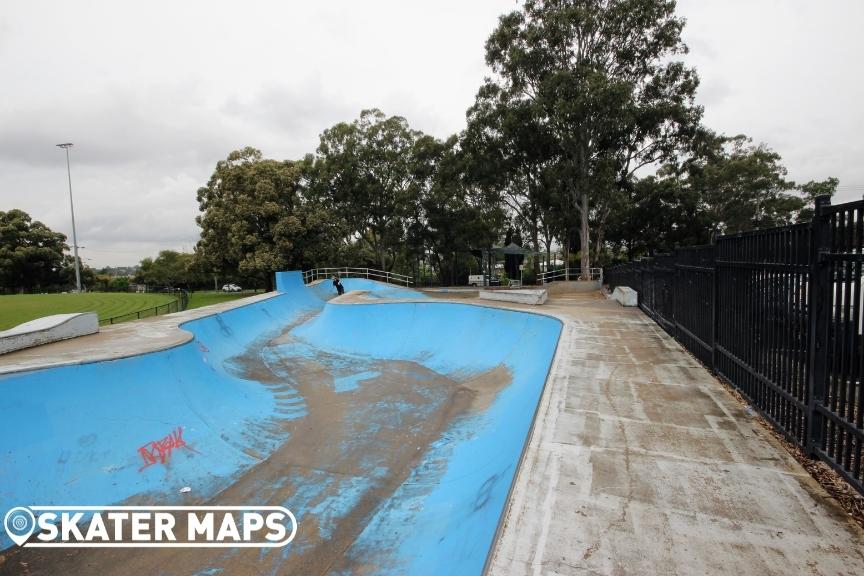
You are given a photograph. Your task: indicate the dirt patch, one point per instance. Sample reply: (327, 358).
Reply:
(368, 427)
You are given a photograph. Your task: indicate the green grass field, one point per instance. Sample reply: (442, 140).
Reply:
(20, 308)
(23, 307)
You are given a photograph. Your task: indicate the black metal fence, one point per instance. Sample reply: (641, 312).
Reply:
(779, 314)
(177, 305)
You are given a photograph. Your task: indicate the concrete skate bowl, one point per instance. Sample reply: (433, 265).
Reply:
(392, 430)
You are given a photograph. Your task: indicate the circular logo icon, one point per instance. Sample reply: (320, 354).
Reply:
(19, 523)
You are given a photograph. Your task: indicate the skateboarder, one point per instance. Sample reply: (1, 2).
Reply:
(339, 288)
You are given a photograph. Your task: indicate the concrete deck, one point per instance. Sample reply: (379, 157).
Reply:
(118, 341)
(641, 463)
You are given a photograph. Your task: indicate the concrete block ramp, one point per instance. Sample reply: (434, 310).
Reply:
(391, 429)
(48, 329)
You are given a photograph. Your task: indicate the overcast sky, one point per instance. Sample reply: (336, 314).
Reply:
(154, 93)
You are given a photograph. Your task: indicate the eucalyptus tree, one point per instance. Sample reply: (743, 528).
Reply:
(722, 185)
(743, 185)
(458, 204)
(363, 171)
(518, 143)
(604, 75)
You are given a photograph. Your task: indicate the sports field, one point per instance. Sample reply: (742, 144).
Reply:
(20, 308)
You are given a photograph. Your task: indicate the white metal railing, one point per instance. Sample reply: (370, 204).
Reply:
(348, 272)
(572, 274)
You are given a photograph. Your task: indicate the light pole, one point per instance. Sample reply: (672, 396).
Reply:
(66, 147)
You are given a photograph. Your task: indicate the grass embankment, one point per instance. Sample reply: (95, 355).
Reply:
(199, 299)
(19, 308)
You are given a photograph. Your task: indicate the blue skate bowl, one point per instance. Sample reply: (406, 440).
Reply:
(85, 434)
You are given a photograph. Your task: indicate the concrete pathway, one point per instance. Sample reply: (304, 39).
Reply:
(642, 463)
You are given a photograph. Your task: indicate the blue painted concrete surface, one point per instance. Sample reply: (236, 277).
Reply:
(71, 435)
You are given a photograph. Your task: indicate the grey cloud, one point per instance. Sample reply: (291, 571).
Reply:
(119, 126)
(152, 102)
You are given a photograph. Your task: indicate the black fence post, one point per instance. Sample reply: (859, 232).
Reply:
(675, 280)
(715, 303)
(819, 302)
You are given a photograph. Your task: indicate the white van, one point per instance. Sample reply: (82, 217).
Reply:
(475, 280)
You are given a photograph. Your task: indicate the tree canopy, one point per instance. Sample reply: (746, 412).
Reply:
(602, 76)
(255, 220)
(32, 256)
(585, 138)
(364, 172)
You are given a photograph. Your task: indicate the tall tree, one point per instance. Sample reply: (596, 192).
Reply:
(31, 254)
(255, 219)
(458, 205)
(170, 268)
(722, 185)
(743, 186)
(520, 145)
(604, 75)
(364, 172)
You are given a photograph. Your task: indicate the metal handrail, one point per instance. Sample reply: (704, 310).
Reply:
(349, 272)
(571, 273)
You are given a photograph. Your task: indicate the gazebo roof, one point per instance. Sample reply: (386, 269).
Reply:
(510, 249)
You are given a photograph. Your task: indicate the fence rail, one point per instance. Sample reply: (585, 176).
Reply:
(571, 274)
(348, 272)
(177, 305)
(779, 314)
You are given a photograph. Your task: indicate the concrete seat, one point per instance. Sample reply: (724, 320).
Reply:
(535, 297)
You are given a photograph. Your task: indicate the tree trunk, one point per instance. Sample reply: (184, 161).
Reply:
(585, 238)
(598, 245)
(600, 233)
(535, 240)
(567, 256)
(453, 268)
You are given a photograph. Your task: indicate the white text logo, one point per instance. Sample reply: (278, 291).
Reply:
(150, 526)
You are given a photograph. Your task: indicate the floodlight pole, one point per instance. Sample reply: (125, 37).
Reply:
(66, 147)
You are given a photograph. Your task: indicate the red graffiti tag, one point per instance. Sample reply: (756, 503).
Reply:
(160, 450)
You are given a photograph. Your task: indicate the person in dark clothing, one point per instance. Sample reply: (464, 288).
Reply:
(338, 284)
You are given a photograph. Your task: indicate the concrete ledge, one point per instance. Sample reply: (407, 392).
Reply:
(625, 296)
(535, 297)
(564, 287)
(48, 329)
